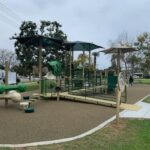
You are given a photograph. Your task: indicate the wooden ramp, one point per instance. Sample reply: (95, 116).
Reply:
(91, 100)
(132, 107)
(87, 99)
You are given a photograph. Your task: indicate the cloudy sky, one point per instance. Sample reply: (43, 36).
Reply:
(97, 21)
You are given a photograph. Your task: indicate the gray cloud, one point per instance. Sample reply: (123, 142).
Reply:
(96, 21)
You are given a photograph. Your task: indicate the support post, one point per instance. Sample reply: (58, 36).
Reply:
(101, 77)
(94, 70)
(70, 71)
(125, 94)
(6, 80)
(118, 90)
(83, 70)
(106, 82)
(58, 85)
(72, 68)
(118, 62)
(40, 67)
(89, 69)
(118, 104)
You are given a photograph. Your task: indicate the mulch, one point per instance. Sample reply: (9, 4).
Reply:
(55, 120)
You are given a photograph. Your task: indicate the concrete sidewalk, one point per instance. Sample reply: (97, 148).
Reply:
(144, 112)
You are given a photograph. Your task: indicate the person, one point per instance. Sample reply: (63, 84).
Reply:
(130, 80)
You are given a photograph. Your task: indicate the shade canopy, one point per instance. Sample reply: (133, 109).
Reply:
(39, 40)
(81, 46)
(119, 49)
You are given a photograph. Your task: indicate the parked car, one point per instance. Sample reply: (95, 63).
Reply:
(135, 77)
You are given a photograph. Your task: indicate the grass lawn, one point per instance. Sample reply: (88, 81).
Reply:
(31, 86)
(129, 135)
(147, 100)
(142, 81)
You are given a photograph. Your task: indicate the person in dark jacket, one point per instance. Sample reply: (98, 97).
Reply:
(130, 80)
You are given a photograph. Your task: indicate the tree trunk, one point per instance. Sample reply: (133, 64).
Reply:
(29, 76)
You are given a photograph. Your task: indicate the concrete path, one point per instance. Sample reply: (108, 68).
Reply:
(144, 112)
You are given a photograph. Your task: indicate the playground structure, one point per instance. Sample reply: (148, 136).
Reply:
(51, 83)
(105, 90)
(12, 92)
(84, 74)
(85, 81)
(20, 88)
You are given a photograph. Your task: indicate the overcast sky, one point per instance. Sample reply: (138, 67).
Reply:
(97, 21)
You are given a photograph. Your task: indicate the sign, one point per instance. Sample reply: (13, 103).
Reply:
(11, 76)
(121, 82)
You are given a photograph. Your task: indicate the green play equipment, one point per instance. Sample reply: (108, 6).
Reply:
(30, 108)
(55, 67)
(19, 87)
(112, 82)
(49, 85)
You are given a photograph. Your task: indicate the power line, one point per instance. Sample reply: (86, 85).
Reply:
(8, 21)
(9, 16)
(10, 12)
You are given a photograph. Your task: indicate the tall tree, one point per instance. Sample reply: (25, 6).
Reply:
(134, 61)
(28, 55)
(143, 45)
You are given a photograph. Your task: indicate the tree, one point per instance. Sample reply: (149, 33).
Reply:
(95, 54)
(143, 45)
(114, 62)
(81, 63)
(7, 55)
(28, 55)
(134, 61)
(82, 59)
(19, 70)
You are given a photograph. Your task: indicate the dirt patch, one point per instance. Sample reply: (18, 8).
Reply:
(122, 124)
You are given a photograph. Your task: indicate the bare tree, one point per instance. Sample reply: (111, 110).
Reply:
(7, 55)
(122, 39)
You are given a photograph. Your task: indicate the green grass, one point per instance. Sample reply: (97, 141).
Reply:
(129, 135)
(147, 100)
(31, 86)
(142, 81)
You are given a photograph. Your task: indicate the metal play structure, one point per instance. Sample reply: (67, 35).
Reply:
(84, 74)
(51, 88)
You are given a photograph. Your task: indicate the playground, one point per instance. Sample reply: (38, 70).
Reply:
(72, 97)
(56, 119)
